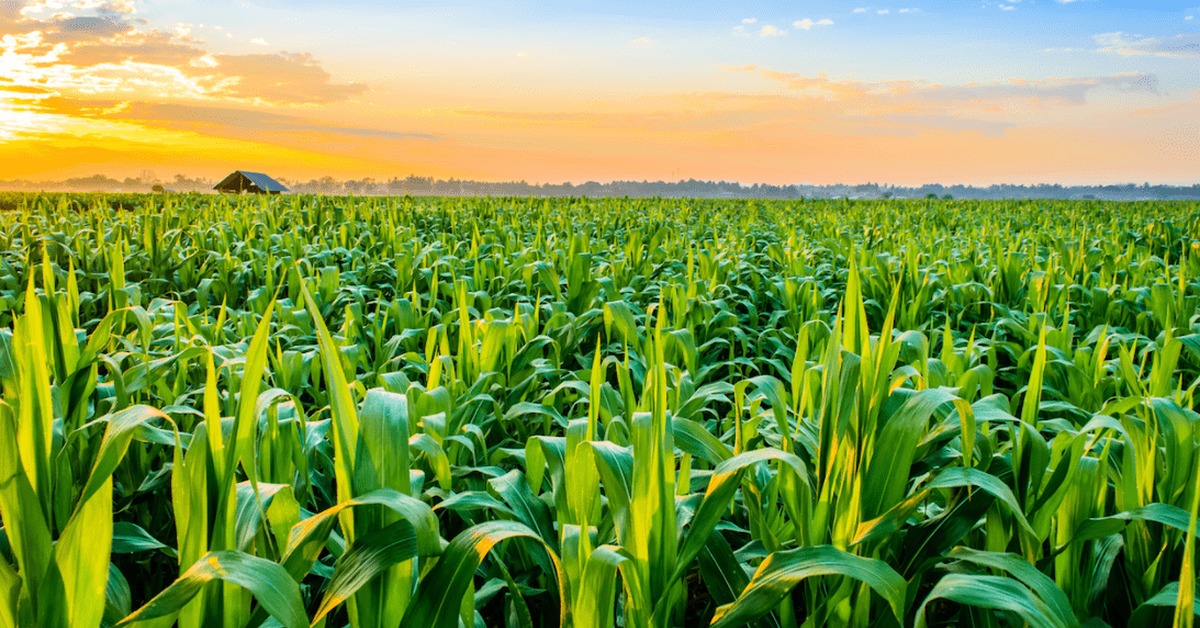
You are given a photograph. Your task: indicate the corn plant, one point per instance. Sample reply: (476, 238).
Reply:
(387, 412)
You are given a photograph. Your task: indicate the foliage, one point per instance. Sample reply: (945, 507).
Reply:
(383, 412)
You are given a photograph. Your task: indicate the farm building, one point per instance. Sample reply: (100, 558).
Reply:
(251, 182)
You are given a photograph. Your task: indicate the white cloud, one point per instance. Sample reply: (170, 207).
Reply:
(890, 11)
(769, 30)
(32, 9)
(750, 20)
(1126, 45)
(259, 41)
(642, 41)
(807, 24)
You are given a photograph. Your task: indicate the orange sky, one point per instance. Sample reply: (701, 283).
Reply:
(118, 88)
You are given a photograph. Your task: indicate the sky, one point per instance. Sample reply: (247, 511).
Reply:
(901, 92)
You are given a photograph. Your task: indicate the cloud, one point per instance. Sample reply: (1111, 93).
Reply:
(101, 26)
(1185, 45)
(36, 7)
(909, 107)
(642, 41)
(1062, 90)
(97, 48)
(1057, 90)
(807, 23)
(281, 78)
(221, 121)
(766, 30)
(810, 106)
(915, 123)
(259, 41)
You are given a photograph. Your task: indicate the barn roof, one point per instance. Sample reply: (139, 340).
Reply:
(238, 180)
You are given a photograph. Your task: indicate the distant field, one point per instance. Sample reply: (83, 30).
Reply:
(420, 412)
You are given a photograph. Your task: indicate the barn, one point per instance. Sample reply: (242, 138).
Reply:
(249, 182)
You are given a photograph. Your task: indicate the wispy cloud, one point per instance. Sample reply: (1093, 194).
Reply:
(1124, 44)
(808, 23)
(885, 10)
(1061, 90)
(225, 121)
(821, 105)
(766, 30)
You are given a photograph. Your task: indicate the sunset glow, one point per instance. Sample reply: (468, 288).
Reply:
(935, 91)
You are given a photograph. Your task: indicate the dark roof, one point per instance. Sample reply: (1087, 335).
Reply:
(244, 180)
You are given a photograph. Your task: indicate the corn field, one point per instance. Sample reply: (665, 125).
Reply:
(383, 412)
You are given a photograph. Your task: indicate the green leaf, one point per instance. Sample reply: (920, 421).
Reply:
(1020, 569)
(1168, 597)
(440, 593)
(531, 511)
(597, 591)
(342, 406)
(10, 591)
(365, 559)
(959, 477)
(252, 504)
(1165, 514)
(129, 538)
(782, 571)
(118, 599)
(721, 489)
(887, 474)
(994, 592)
(120, 430)
(270, 584)
(308, 537)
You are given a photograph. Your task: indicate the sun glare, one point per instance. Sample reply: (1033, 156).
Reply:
(20, 120)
